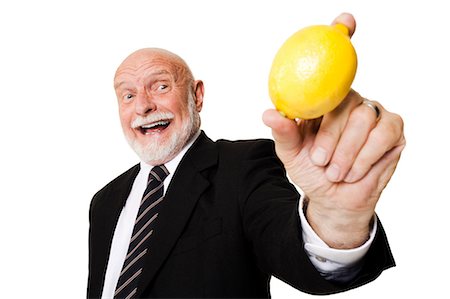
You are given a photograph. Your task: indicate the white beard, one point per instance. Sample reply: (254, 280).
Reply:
(156, 152)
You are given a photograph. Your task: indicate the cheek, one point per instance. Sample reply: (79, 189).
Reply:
(182, 110)
(125, 119)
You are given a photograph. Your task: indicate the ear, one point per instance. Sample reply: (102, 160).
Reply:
(199, 91)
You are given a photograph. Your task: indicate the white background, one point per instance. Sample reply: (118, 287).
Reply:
(61, 139)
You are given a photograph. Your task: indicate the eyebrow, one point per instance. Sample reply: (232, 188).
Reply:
(117, 85)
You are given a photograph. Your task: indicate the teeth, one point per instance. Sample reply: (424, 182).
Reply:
(158, 123)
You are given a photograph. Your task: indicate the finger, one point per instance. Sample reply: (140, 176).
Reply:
(382, 171)
(360, 123)
(330, 130)
(285, 134)
(348, 20)
(387, 135)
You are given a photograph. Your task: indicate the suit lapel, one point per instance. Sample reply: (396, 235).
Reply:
(107, 211)
(186, 187)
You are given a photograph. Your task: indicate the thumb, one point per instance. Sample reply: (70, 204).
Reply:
(348, 20)
(285, 133)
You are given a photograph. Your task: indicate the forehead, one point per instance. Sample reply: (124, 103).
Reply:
(140, 67)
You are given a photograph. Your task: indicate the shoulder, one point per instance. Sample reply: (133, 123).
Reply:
(205, 152)
(252, 156)
(246, 147)
(127, 175)
(123, 181)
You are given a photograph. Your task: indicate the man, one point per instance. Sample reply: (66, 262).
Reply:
(227, 218)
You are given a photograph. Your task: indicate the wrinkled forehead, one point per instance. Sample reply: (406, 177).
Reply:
(140, 66)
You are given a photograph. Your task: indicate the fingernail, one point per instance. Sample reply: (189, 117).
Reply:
(333, 172)
(319, 156)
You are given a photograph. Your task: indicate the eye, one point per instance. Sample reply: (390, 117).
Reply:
(128, 97)
(162, 87)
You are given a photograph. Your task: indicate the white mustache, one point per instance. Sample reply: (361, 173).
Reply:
(151, 118)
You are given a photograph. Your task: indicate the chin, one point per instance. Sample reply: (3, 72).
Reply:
(155, 152)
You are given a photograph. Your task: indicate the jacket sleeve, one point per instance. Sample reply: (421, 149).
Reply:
(271, 219)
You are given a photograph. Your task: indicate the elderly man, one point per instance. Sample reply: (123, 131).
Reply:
(198, 218)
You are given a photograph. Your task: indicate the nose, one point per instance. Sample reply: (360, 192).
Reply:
(144, 104)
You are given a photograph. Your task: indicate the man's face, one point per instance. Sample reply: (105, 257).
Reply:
(158, 104)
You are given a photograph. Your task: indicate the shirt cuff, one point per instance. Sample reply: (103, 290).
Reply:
(326, 259)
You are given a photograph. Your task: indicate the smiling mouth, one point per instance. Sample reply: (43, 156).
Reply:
(155, 127)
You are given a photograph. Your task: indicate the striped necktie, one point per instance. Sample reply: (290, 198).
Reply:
(143, 229)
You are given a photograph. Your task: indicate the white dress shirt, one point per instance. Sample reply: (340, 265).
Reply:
(327, 260)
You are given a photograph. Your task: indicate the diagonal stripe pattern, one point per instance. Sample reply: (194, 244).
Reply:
(142, 231)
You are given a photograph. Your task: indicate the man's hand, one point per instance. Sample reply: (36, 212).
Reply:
(341, 161)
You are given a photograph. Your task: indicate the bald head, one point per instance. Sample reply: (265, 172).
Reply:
(144, 57)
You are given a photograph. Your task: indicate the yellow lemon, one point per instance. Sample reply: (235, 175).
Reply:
(313, 71)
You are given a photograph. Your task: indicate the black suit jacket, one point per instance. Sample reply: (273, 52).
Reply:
(228, 222)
